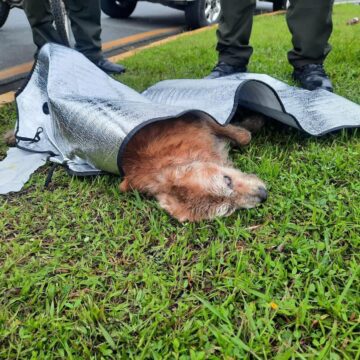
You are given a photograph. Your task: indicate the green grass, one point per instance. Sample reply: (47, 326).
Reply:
(87, 272)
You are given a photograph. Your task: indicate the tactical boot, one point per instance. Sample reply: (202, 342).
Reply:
(312, 76)
(222, 69)
(109, 67)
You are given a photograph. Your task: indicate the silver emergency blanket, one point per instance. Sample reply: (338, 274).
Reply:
(16, 168)
(74, 114)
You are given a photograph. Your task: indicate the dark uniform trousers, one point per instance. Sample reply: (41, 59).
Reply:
(309, 21)
(85, 24)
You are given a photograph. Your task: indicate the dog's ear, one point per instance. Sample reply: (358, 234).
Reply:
(124, 185)
(173, 207)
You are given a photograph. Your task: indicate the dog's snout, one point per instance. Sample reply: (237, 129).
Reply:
(262, 193)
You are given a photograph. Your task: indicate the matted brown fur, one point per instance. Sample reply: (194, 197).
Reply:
(9, 138)
(184, 163)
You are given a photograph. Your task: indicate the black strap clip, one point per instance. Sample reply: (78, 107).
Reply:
(36, 137)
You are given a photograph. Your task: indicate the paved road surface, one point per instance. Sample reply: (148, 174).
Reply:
(16, 46)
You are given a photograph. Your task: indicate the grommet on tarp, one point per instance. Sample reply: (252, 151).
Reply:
(45, 108)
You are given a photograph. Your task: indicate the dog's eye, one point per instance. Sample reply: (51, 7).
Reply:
(228, 181)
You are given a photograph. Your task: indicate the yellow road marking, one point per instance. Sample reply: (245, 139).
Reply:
(278, 12)
(9, 97)
(127, 54)
(136, 38)
(15, 70)
(25, 68)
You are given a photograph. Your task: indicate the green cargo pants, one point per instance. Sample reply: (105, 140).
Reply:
(309, 21)
(85, 24)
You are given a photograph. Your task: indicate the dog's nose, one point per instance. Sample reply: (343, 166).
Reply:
(262, 194)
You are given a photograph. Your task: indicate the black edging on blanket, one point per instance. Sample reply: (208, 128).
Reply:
(238, 103)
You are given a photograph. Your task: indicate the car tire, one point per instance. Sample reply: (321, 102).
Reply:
(119, 9)
(279, 5)
(4, 12)
(201, 13)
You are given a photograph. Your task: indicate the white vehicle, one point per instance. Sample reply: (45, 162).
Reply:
(198, 13)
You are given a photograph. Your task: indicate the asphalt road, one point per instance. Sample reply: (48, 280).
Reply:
(16, 46)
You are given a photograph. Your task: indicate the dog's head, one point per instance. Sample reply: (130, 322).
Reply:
(201, 190)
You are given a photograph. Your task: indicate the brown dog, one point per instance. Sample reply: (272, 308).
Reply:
(184, 164)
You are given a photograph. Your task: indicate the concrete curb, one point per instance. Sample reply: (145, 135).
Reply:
(169, 39)
(7, 98)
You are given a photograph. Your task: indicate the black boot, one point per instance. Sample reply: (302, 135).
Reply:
(109, 67)
(312, 76)
(223, 69)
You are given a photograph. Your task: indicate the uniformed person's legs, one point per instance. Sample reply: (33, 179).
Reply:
(233, 34)
(234, 31)
(85, 23)
(85, 18)
(310, 23)
(86, 26)
(41, 22)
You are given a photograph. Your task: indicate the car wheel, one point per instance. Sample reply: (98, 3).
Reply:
(4, 12)
(119, 9)
(201, 13)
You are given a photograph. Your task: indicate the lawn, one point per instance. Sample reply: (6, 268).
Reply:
(89, 273)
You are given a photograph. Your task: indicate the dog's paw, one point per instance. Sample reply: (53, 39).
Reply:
(9, 138)
(238, 135)
(243, 136)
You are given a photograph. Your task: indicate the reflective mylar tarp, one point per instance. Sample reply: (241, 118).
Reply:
(76, 115)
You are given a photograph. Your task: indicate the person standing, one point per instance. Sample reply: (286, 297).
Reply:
(85, 21)
(310, 23)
